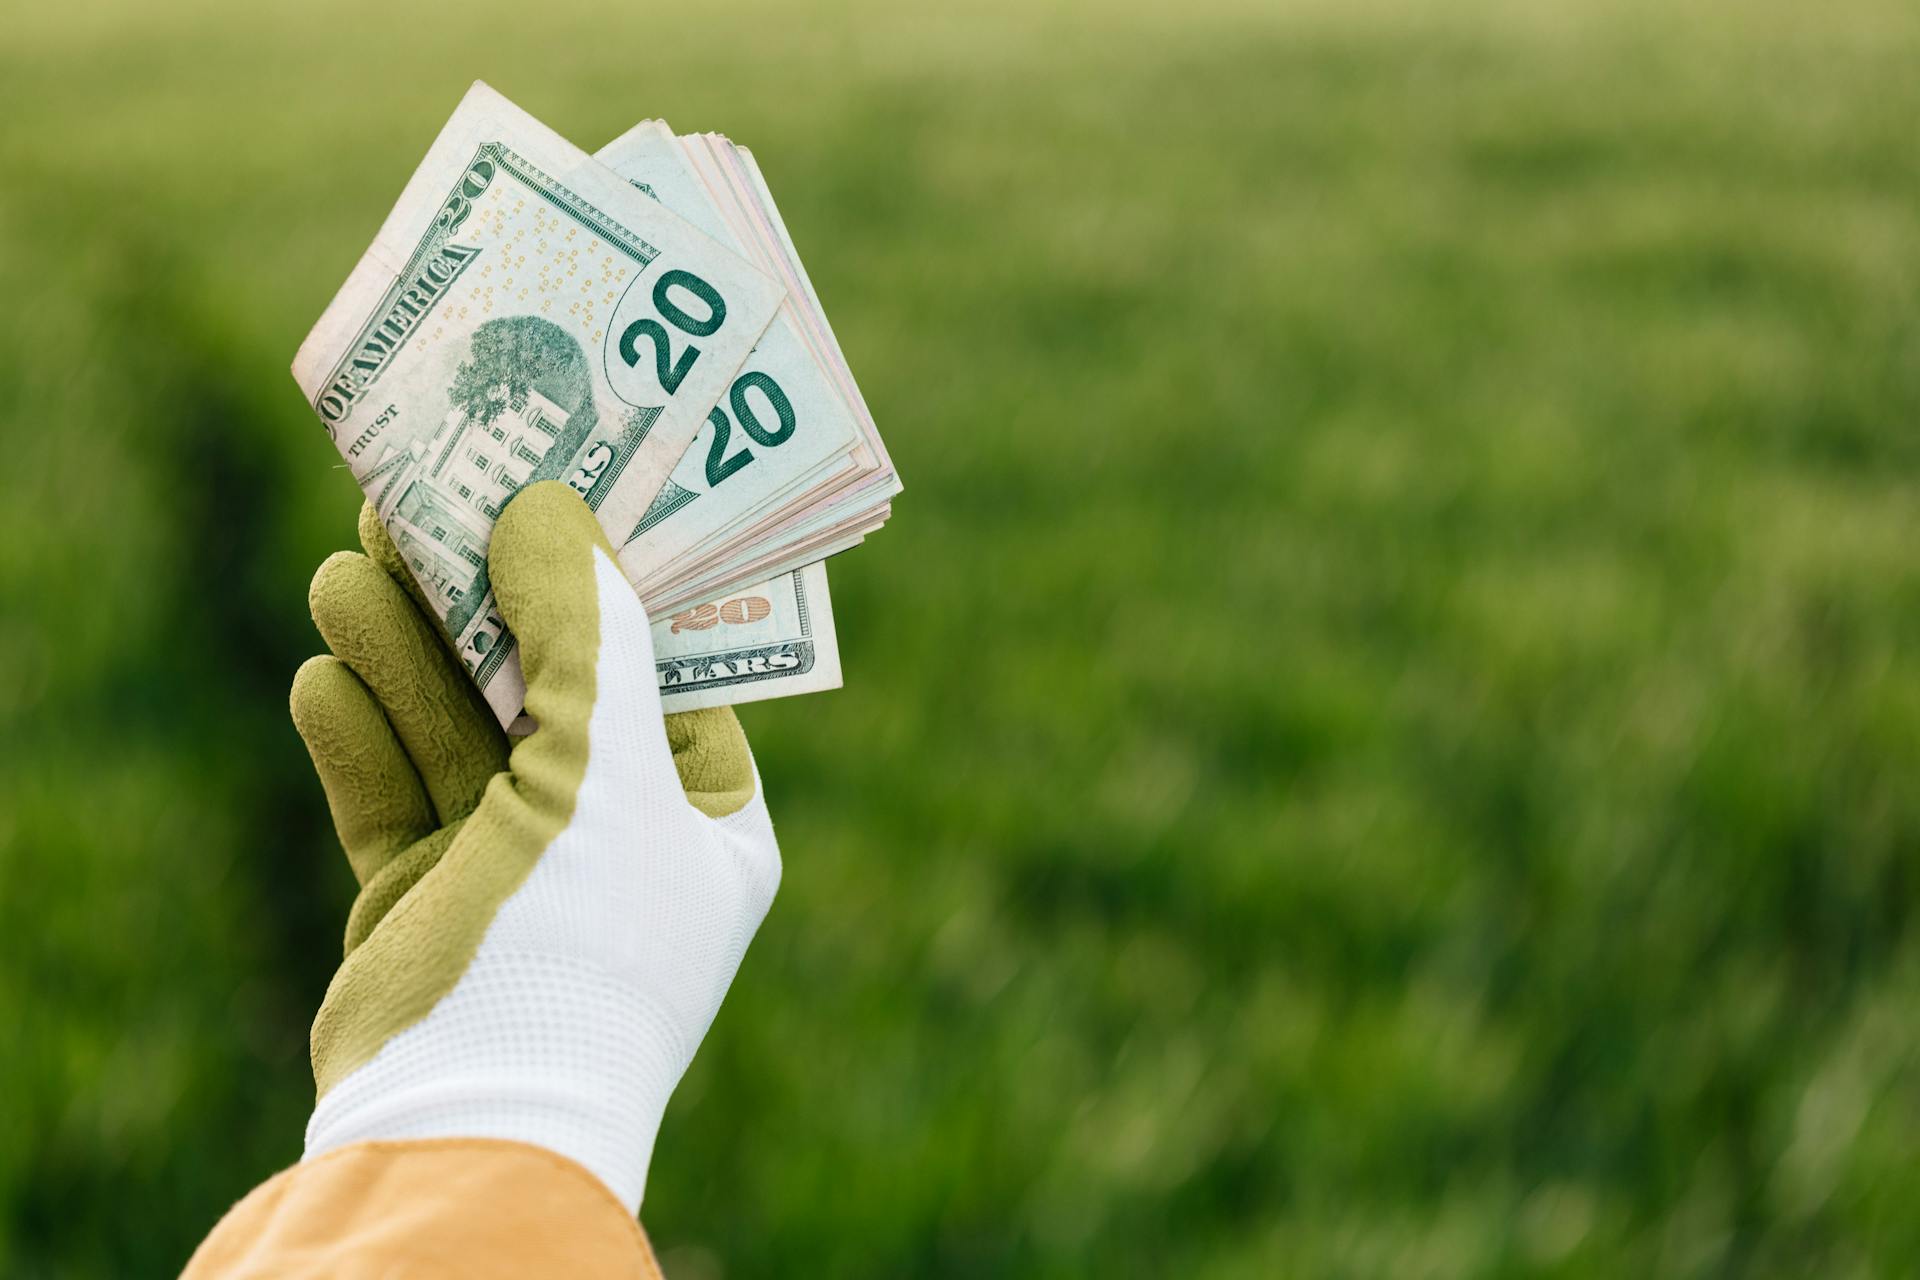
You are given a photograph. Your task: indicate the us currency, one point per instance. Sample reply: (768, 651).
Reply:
(771, 640)
(841, 509)
(782, 419)
(809, 489)
(524, 314)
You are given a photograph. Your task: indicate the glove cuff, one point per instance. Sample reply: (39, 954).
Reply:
(531, 1048)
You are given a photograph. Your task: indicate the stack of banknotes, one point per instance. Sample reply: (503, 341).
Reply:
(636, 323)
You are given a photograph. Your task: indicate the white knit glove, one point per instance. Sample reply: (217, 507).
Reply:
(542, 938)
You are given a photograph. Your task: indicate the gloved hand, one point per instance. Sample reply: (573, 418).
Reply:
(543, 935)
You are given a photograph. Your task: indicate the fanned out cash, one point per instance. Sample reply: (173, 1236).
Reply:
(638, 325)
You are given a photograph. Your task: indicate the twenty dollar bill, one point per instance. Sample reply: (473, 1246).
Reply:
(523, 315)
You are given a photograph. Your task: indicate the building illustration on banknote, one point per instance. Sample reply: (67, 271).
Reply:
(439, 497)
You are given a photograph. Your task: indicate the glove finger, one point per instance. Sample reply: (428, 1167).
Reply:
(379, 807)
(380, 549)
(586, 650)
(435, 711)
(710, 754)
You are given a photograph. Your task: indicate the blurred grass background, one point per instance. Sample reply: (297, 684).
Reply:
(1382, 739)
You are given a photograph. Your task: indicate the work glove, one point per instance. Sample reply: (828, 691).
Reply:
(545, 929)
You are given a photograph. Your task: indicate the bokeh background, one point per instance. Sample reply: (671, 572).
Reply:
(1383, 738)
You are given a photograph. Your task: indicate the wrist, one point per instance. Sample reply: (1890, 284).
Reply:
(546, 1050)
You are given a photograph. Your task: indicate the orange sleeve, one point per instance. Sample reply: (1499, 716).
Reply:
(474, 1208)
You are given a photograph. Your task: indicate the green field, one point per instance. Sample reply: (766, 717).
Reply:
(1382, 739)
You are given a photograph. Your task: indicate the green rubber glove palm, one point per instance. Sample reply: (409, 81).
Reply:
(545, 928)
